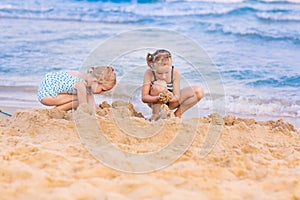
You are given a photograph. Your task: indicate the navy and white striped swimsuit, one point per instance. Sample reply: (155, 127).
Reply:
(170, 84)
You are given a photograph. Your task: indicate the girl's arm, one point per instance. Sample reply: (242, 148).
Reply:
(91, 101)
(84, 96)
(146, 97)
(176, 87)
(81, 92)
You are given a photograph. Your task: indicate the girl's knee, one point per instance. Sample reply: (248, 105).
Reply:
(199, 93)
(48, 101)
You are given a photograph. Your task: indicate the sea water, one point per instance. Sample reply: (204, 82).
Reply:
(253, 44)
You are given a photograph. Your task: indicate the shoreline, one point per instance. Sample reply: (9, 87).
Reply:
(25, 98)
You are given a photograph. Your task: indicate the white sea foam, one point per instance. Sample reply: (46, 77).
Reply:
(278, 16)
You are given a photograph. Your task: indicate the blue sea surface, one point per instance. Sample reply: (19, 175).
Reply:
(254, 45)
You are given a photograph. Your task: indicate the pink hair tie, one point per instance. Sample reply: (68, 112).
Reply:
(112, 69)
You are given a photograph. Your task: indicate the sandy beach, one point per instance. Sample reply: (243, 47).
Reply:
(42, 157)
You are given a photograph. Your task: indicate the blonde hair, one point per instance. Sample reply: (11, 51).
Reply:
(160, 56)
(103, 74)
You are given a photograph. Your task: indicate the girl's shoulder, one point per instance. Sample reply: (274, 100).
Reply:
(73, 73)
(148, 72)
(176, 72)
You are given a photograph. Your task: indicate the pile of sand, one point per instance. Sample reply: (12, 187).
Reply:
(43, 157)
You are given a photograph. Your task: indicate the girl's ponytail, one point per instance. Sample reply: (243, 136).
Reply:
(149, 59)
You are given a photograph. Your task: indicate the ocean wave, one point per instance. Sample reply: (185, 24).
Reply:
(106, 19)
(122, 1)
(266, 107)
(12, 9)
(131, 13)
(243, 74)
(243, 10)
(279, 17)
(203, 1)
(259, 11)
(196, 10)
(283, 81)
(93, 15)
(159, 1)
(255, 33)
(280, 1)
(209, 1)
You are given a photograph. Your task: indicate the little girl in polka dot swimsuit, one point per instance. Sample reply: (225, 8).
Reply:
(66, 90)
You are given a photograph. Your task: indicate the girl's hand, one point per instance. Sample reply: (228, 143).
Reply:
(165, 97)
(170, 95)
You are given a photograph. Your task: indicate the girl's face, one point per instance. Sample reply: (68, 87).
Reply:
(162, 71)
(98, 88)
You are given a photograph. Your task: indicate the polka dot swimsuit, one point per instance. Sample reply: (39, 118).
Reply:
(57, 82)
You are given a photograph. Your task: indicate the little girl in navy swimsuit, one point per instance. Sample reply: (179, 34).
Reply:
(162, 86)
(66, 90)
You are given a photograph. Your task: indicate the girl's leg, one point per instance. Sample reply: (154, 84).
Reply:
(154, 91)
(189, 96)
(60, 101)
(155, 112)
(68, 106)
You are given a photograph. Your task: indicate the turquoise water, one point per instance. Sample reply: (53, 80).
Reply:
(255, 46)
